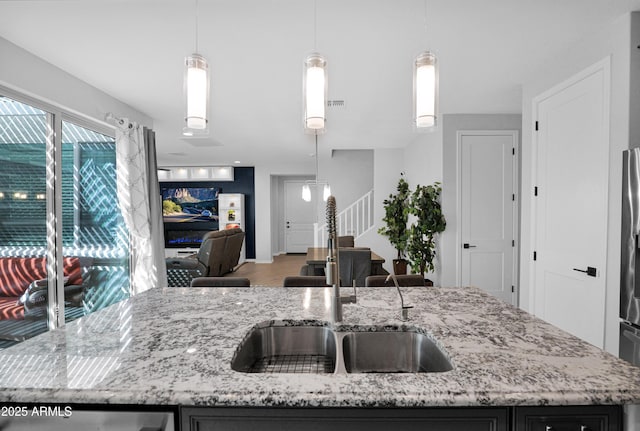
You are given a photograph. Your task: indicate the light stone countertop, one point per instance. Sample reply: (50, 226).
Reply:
(174, 347)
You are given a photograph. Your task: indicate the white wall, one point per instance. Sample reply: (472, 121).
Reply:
(350, 174)
(274, 214)
(387, 165)
(614, 41)
(267, 197)
(27, 74)
(634, 99)
(423, 158)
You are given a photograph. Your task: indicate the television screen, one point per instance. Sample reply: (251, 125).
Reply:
(189, 211)
(189, 204)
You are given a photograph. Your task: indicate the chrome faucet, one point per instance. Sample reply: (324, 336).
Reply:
(404, 308)
(332, 270)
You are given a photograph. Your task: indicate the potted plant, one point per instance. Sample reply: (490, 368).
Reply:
(396, 217)
(421, 247)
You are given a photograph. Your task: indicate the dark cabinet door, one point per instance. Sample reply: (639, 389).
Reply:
(572, 418)
(330, 419)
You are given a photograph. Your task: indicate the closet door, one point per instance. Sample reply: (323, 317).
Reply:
(488, 209)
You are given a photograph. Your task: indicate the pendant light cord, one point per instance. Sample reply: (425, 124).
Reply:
(315, 25)
(317, 160)
(426, 27)
(196, 26)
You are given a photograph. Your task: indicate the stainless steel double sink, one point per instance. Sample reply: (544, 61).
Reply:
(315, 347)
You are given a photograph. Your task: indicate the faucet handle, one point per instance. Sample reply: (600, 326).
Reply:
(405, 312)
(330, 271)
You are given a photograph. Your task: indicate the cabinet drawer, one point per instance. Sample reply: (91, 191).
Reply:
(571, 418)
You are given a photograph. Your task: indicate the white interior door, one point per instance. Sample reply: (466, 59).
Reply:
(487, 178)
(299, 217)
(571, 204)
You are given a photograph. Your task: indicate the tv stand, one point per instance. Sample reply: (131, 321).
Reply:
(180, 252)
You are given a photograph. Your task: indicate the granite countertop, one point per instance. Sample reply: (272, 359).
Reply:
(174, 347)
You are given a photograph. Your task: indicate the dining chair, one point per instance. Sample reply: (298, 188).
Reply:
(307, 270)
(220, 282)
(346, 241)
(403, 280)
(305, 281)
(355, 264)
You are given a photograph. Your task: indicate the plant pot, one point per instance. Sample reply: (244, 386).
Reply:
(399, 266)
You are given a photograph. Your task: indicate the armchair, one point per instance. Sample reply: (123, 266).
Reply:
(218, 254)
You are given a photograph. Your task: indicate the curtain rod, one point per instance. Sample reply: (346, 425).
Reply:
(121, 121)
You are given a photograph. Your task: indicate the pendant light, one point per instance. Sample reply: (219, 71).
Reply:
(196, 91)
(306, 188)
(315, 93)
(425, 87)
(326, 192)
(314, 84)
(306, 193)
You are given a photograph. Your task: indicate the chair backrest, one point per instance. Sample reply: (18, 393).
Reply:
(205, 254)
(346, 241)
(355, 264)
(215, 258)
(305, 281)
(220, 282)
(403, 280)
(233, 247)
(308, 270)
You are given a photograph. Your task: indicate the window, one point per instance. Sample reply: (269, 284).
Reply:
(92, 223)
(94, 246)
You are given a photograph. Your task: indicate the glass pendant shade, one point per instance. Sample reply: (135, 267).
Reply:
(196, 93)
(315, 93)
(425, 90)
(326, 192)
(306, 193)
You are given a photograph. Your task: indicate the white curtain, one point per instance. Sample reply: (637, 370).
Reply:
(155, 209)
(136, 176)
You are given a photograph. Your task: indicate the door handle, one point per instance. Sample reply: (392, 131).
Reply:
(590, 271)
(465, 245)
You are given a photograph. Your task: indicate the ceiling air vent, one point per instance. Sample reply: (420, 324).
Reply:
(335, 103)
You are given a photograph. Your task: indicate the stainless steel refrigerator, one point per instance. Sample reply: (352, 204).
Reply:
(630, 258)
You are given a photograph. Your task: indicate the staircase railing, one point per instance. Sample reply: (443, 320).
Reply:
(356, 219)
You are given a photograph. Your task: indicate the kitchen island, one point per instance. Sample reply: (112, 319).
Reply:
(173, 347)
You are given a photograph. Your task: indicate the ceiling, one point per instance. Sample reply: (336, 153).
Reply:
(134, 50)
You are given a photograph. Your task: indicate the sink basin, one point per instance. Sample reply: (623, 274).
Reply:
(393, 352)
(313, 347)
(286, 349)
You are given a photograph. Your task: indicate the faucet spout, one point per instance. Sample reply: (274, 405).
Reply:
(404, 309)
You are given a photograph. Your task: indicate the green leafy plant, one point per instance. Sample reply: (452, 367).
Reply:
(421, 247)
(396, 216)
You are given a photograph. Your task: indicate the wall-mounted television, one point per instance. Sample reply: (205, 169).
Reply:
(189, 211)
